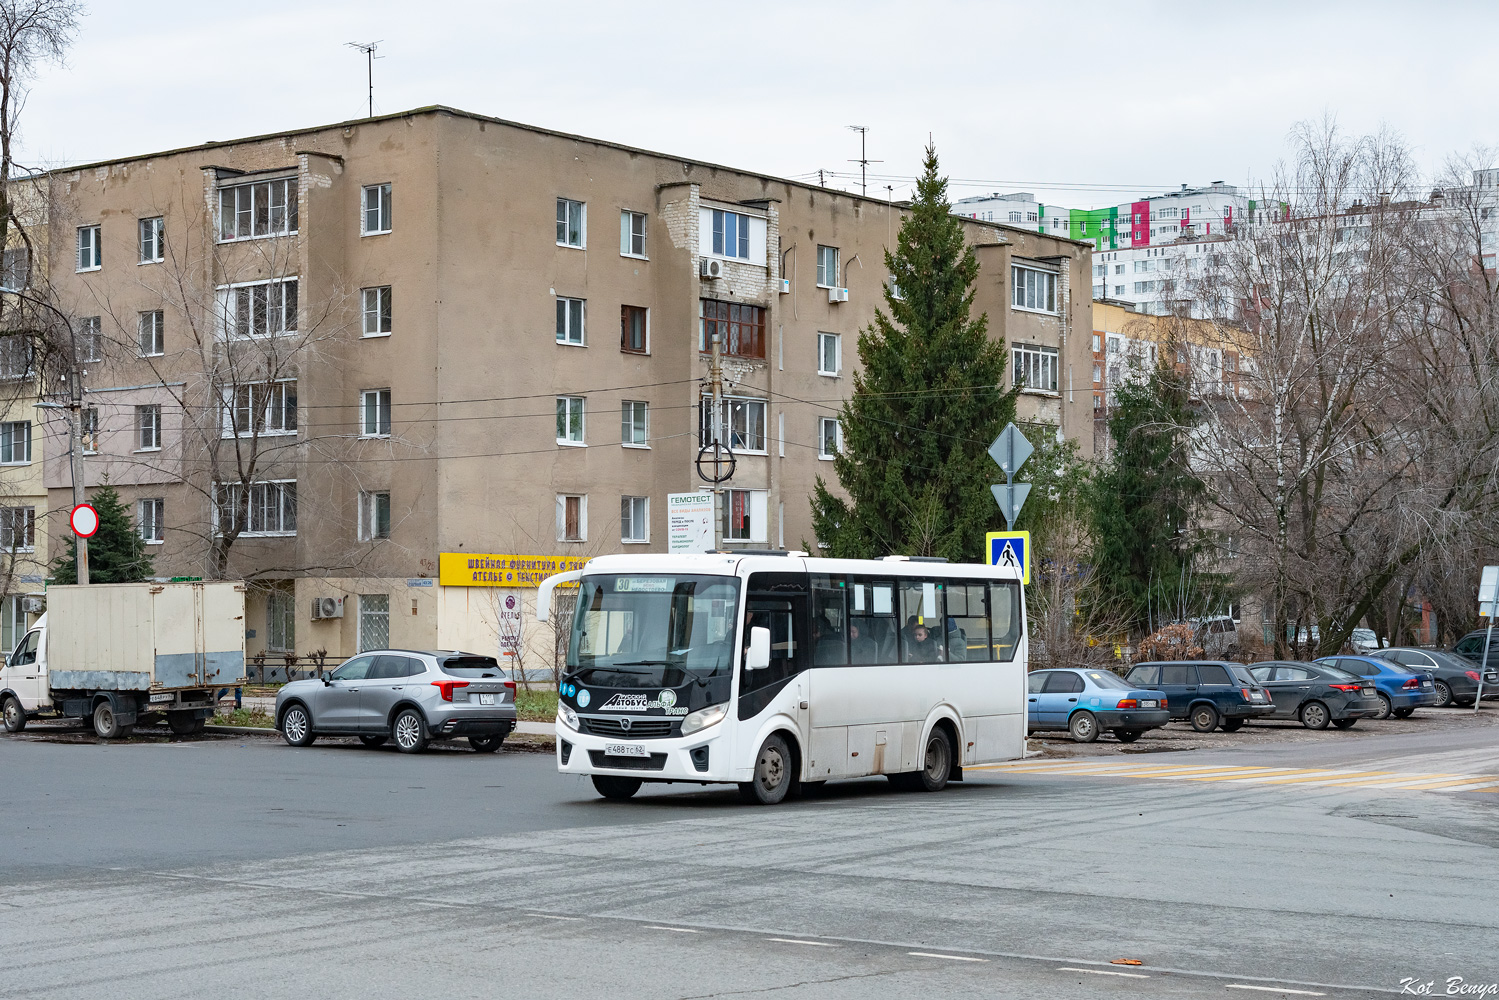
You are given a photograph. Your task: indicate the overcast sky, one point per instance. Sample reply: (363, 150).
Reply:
(1083, 103)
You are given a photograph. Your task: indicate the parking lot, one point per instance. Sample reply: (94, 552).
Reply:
(261, 870)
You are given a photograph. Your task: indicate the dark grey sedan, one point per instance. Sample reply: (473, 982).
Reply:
(1315, 694)
(1456, 677)
(409, 696)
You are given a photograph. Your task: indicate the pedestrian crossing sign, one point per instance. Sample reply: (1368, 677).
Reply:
(1011, 548)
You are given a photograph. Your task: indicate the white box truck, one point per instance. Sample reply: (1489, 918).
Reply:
(123, 654)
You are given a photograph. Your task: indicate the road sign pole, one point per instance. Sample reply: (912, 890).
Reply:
(1484, 663)
(1488, 596)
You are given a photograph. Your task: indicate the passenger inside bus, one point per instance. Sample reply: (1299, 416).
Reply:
(921, 647)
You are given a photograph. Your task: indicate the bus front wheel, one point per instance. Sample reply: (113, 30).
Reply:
(618, 789)
(772, 774)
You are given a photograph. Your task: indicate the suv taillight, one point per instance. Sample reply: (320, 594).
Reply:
(446, 687)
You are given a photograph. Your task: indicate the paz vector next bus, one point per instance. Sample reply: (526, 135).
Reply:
(778, 672)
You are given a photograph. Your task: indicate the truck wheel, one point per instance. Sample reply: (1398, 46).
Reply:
(107, 724)
(15, 715)
(183, 723)
(296, 726)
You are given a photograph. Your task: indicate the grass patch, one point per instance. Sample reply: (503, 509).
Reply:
(536, 706)
(259, 718)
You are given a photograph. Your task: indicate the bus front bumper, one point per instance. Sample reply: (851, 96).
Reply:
(701, 757)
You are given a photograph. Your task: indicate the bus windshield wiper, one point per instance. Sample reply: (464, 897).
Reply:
(641, 663)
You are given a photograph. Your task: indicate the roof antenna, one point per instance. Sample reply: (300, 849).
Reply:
(863, 161)
(368, 48)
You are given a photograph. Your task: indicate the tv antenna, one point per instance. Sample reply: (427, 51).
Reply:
(863, 161)
(368, 48)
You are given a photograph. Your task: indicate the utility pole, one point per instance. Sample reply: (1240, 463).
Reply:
(75, 422)
(368, 48)
(863, 161)
(715, 389)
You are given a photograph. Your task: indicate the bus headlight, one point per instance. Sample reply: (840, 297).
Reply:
(567, 716)
(704, 717)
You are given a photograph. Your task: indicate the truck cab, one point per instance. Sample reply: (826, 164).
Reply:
(23, 679)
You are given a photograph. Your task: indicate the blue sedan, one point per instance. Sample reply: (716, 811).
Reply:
(1085, 702)
(1401, 689)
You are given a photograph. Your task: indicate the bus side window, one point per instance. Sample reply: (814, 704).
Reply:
(829, 623)
(871, 621)
(1004, 618)
(922, 639)
(967, 621)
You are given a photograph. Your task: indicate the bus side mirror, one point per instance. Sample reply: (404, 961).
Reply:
(758, 656)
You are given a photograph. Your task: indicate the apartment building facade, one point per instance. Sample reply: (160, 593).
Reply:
(392, 370)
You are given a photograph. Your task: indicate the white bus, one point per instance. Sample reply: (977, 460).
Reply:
(777, 672)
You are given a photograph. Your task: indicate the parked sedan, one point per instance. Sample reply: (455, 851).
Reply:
(407, 695)
(1316, 694)
(1401, 690)
(1084, 702)
(1454, 677)
(1207, 694)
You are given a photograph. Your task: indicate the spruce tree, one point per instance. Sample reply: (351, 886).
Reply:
(1144, 503)
(116, 553)
(925, 406)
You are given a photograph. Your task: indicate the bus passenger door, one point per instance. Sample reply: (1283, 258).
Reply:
(784, 681)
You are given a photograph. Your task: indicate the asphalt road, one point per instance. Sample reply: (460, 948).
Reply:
(244, 868)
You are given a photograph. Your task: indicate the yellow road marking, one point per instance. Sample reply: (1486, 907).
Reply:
(1423, 786)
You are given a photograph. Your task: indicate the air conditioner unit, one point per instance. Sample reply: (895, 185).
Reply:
(837, 294)
(327, 607)
(785, 286)
(709, 268)
(35, 605)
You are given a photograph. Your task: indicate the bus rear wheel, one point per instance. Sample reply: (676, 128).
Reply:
(935, 767)
(618, 789)
(772, 774)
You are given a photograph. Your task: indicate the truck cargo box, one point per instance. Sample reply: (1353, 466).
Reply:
(146, 636)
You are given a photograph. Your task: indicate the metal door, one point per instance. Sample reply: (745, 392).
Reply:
(26, 671)
(383, 687)
(336, 706)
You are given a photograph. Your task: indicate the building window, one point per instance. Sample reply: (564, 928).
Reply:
(262, 408)
(374, 516)
(827, 267)
(1034, 290)
(1096, 347)
(632, 234)
(15, 356)
(148, 515)
(18, 529)
(570, 321)
(744, 423)
(1035, 367)
(634, 424)
(15, 268)
(1118, 289)
(15, 443)
(265, 509)
(570, 420)
(90, 339)
(1098, 373)
(374, 622)
(745, 515)
(829, 353)
(90, 253)
(572, 518)
(829, 438)
(281, 619)
(1118, 268)
(374, 408)
(262, 208)
(377, 311)
(261, 309)
(148, 428)
(153, 240)
(572, 222)
(376, 215)
(634, 330)
(740, 328)
(151, 327)
(634, 519)
(731, 235)
(1014, 216)
(88, 431)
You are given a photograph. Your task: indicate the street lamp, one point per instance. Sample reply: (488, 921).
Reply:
(75, 423)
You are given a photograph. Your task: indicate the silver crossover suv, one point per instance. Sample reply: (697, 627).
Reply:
(406, 695)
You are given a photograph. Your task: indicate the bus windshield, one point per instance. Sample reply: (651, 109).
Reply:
(653, 630)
